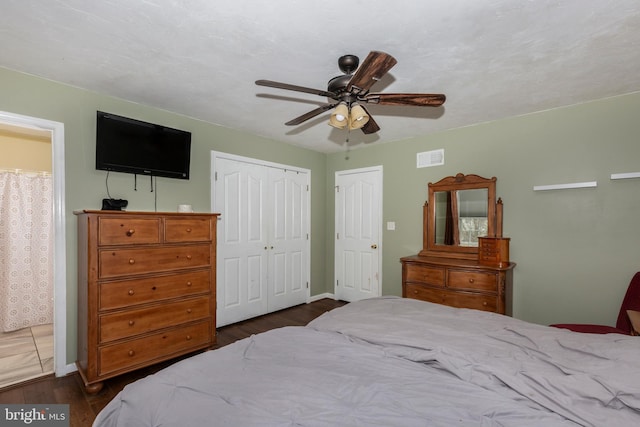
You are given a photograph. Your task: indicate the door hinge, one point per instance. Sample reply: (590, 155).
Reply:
(307, 285)
(337, 282)
(307, 187)
(307, 236)
(337, 188)
(337, 236)
(215, 174)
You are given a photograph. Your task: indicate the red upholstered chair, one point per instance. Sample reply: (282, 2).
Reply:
(631, 301)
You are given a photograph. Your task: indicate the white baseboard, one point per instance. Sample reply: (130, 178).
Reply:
(321, 296)
(66, 370)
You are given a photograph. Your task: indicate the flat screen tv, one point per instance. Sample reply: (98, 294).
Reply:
(133, 146)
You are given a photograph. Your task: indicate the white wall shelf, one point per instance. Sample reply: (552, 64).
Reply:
(589, 184)
(625, 175)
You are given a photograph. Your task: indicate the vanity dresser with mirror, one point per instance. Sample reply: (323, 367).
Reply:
(464, 261)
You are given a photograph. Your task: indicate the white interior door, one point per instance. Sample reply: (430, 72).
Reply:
(288, 277)
(263, 249)
(242, 241)
(358, 244)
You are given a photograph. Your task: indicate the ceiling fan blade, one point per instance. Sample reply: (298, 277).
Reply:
(309, 115)
(287, 86)
(375, 65)
(414, 99)
(370, 127)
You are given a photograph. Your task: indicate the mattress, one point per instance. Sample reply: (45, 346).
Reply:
(395, 362)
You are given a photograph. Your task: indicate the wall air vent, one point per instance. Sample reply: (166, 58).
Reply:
(430, 158)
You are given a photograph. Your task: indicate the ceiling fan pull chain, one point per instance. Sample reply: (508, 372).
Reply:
(346, 157)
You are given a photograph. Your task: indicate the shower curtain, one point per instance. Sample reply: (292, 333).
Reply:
(26, 250)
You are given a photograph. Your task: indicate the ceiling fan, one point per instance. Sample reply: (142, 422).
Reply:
(349, 91)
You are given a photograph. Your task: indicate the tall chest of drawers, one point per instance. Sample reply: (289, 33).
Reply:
(458, 283)
(146, 290)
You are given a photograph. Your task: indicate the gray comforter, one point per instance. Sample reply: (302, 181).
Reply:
(396, 362)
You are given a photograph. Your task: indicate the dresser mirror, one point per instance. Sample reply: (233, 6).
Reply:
(458, 210)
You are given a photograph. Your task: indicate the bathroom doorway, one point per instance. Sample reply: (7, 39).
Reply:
(32, 343)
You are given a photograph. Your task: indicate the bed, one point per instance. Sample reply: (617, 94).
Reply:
(393, 361)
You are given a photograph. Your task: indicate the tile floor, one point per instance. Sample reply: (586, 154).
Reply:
(26, 354)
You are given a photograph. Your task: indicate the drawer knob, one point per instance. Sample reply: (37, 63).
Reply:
(484, 303)
(471, 280)
(189, 310)
(132, 261)
(131, 292)
(415, 292)
(131, 353)
(188, 230)
(131, 322)
(130, 232)
(189, 257)
(189, 283)
(188, 337)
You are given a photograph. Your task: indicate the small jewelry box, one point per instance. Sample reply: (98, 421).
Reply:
(493, 251)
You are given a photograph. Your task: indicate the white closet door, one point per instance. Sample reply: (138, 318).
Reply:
(288, 236)
(263, 241)
(242, 241)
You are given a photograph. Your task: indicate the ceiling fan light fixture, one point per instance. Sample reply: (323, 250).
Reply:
(339, 117)
(358, 117)
(343, 92)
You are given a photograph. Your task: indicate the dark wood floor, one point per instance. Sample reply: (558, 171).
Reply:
(85, 407)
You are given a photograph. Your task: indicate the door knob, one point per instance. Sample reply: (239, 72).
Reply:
(374, 246)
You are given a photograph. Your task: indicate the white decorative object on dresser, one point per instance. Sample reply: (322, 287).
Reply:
(146, 289)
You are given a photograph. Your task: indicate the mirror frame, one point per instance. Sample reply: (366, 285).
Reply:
(454, 183)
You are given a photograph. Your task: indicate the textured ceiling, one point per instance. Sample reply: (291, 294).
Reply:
(200, 58)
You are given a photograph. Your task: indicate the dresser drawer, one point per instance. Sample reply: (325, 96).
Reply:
(134, 322)
(157, 346)
(127, 293)
(125, 262)
(453, 299)
(425, 274)
(128, 231)
(472, 280)
(187, 230)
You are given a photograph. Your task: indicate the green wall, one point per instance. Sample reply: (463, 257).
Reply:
(85, 187)
(575, 250)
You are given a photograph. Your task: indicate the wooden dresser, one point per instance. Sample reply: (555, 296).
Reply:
(459, 265)
(146, 289)
(458, 283)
